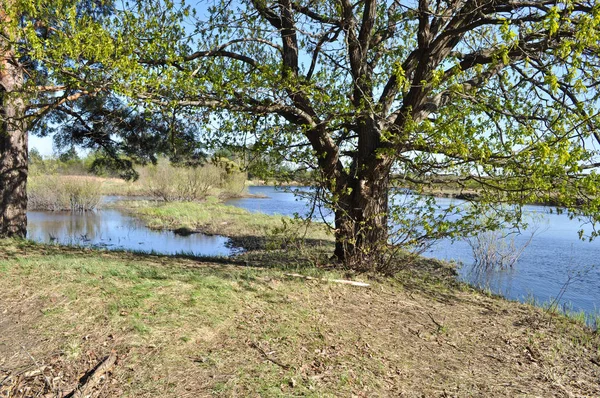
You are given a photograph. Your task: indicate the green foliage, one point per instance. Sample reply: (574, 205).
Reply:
(503, 97)
(505, 105)
(69, 156)
(68, 163)
(34, 157)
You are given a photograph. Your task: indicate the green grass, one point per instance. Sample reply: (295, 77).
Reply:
(155, 301)
(566, 309)
(190, 327)
(214, 218)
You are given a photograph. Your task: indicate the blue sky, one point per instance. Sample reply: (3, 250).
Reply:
(42, 144)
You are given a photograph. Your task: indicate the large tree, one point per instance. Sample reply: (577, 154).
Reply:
(13, 135)
(501, 93)
(53, 54)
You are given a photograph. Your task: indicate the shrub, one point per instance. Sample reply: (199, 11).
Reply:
(234, 183)
(494, 250)
(174, 183)
(54, 193)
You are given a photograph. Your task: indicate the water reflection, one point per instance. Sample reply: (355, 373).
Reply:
(555, 263)
(499, 281)
(61, 226)
(113, 230)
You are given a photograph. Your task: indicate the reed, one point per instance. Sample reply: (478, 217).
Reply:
(171, 183)
(57, 193)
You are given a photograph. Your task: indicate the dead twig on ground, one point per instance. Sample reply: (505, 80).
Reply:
(439, 325)
(342, 281)
(268, 357)
(46, 379)
(93, 377)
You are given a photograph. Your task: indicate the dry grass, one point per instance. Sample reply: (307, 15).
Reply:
(167, 182)
(183, 327)
(56, 192)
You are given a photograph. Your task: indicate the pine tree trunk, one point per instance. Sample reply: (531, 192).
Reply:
(13, 149)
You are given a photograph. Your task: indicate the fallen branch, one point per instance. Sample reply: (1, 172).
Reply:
(93, 377)
(34, 373)
(439, 325)
(25, 374)
(268, 357)
(342, 281)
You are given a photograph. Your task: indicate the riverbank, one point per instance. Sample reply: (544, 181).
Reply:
(248, 230)
(55, 192)
(474, 195)
(275, 183)
(453, 190)
(182, 326)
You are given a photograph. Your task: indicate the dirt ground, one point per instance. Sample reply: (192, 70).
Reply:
(235, 331)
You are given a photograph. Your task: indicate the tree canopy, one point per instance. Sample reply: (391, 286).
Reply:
(499, 95)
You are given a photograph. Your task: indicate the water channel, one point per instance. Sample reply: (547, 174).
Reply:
(113, 230)
(555, 262)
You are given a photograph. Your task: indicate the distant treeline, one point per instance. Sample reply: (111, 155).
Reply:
(67, 163)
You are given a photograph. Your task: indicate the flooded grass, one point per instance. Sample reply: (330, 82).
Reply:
(248, 229)
(185, 327)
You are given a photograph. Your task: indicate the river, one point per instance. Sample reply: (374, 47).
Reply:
(555, 262)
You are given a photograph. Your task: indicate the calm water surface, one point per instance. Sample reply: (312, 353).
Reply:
(554, 261)
(271, 200)
(114, 230)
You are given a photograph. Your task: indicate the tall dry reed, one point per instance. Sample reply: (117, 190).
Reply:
(56, 192)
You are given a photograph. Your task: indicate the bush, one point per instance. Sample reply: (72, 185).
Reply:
(234, 184)
(54, 193)
(494, 250)
(172, 183)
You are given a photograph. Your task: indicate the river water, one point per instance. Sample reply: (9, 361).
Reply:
(114, 230)
(554, 264)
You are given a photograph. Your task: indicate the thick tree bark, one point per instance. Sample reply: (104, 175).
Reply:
(13, 149)
(361, 220)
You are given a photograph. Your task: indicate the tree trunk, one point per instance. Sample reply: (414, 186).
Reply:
(361, 221)
(13, 149)
(361, 217)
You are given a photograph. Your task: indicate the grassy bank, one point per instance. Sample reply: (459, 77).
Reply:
(247, 229)
(472, 191)
(184, 327)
